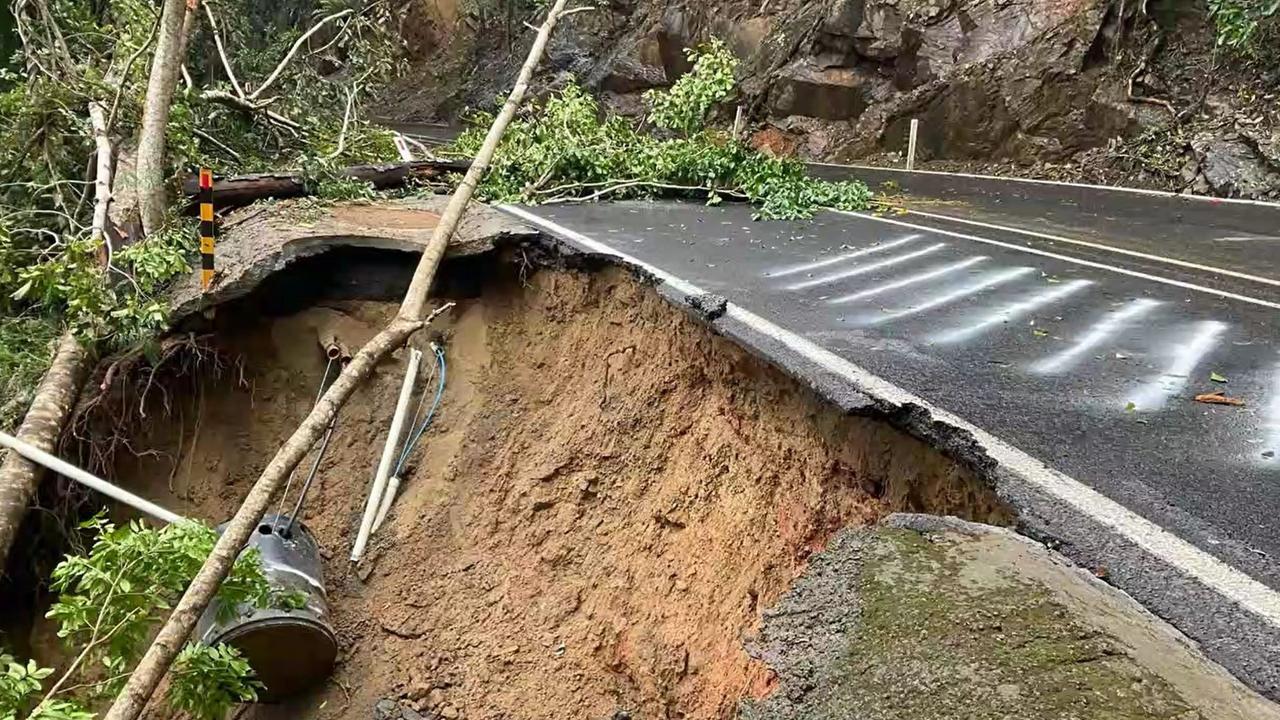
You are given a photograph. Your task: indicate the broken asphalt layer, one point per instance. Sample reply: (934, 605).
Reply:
(1023, 363)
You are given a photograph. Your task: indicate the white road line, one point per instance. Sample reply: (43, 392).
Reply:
(841, 258)
(1066, 258)
(864, 269)
(1273, 418)
(990, 280)
(1058, 183)
(909, 280)
(1110, 323)
(1099, 246)
(1227, 581)
(1202, 339)
(1014, 311)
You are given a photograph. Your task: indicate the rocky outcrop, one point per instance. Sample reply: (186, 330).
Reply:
(1022, 82)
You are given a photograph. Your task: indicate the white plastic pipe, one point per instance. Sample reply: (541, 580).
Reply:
(393, 487)
(62, 467)
(374, 500)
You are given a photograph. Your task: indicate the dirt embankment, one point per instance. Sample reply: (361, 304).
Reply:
(608, 502)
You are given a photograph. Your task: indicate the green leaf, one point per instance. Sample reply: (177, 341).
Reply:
(1217, 378)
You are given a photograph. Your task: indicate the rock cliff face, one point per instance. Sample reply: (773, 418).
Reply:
(1105, 90)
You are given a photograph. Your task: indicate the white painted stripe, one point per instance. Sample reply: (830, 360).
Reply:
(864, 269)
(1058, 183)
(988, 281)
(1109, 325)
(1099, 246)
(1203, 338)
(816, 265)
(1273, 418)
(909, 280)
(1014, 311)
(1211, 572)
(1066, 258)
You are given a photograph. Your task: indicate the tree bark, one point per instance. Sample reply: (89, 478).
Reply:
(41, 427)
(239, 190)
(165, 65)
(153, 666)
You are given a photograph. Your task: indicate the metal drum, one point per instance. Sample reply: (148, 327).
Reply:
(289, 650)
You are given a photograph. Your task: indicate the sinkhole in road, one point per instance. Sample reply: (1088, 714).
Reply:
(610, 498)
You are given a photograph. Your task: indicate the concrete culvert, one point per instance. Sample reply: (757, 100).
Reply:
(610, 500)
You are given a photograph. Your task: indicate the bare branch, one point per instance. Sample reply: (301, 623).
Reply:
(294, 50)
(124, 75)
(346, 123)
(222, 52)
(216, 143)
(249, 105)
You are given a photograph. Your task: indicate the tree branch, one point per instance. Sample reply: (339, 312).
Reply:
(346, 122)
(294, 50)
(222, 52)
(164, 649)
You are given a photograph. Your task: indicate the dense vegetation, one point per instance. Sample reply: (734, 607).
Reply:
(1246, 26)
(247, 112)
(566, 150)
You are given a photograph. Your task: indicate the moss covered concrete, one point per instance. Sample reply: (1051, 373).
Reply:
(927, 619)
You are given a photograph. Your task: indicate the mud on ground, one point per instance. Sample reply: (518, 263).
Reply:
(608, 502)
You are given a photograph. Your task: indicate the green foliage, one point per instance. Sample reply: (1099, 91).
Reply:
(110, 601)
(684, 107)
(340, 188)
(1244, 24)
(123, 307)
(209, 680)
(565, 150)
(26, 347)
(19, 685)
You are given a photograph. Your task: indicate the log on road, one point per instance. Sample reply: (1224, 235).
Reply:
(239, 190)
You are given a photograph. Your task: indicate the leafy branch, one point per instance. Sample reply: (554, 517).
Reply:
(110, 600)
(566, 151)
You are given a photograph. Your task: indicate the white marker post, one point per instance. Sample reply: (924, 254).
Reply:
(911, 144)
(738, 121)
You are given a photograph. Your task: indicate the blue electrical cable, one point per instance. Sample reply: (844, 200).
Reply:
(435, 405)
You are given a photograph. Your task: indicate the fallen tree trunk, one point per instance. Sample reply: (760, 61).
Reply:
(240, 190)
(42, 426)
(164, 649)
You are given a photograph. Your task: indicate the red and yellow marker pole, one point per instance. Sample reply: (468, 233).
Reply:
(206, 228)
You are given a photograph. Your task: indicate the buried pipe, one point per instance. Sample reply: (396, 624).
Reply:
(334, 349)
(62, 467)
(374, 500)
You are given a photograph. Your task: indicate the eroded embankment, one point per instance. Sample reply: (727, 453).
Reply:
(609, 500)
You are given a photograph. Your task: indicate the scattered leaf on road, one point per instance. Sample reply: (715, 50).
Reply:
(1216, 377)
(1039, 333)
(1217, 398)
(1130, 407)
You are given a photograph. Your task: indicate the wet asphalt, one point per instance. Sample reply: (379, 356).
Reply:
(1087, 360)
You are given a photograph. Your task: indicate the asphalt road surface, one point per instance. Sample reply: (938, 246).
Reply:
(1069, 329)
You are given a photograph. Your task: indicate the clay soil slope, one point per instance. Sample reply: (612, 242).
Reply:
(610, 498)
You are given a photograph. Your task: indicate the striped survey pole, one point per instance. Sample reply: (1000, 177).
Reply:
(206, 228)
